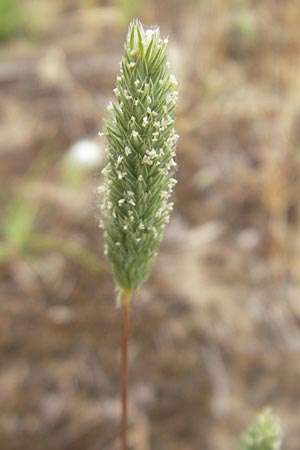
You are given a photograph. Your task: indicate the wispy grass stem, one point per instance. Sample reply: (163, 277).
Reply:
(124, 382)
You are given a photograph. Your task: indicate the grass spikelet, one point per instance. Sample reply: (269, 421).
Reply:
(264, 434)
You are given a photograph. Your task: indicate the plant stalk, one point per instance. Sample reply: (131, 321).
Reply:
(124, 382)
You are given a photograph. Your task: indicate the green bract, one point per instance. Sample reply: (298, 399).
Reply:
(264, 434)
(138, 177)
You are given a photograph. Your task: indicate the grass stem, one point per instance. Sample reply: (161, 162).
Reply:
(124, 382)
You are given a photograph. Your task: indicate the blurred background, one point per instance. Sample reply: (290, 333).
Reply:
(215, 330)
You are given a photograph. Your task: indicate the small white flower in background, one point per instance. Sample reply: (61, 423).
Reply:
(85, 154)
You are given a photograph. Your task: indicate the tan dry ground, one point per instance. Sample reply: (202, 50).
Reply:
(215, 331)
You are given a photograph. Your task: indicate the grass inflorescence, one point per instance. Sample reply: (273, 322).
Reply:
(138, 177)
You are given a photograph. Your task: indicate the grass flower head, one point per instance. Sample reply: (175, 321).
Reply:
(138, 177)
(264, 434)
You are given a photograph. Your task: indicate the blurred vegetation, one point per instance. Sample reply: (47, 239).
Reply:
(242, 32)
(264, 434)
(19, 237)
(12, 19)
(129, 9)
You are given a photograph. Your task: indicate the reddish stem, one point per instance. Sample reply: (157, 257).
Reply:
(124, 382)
